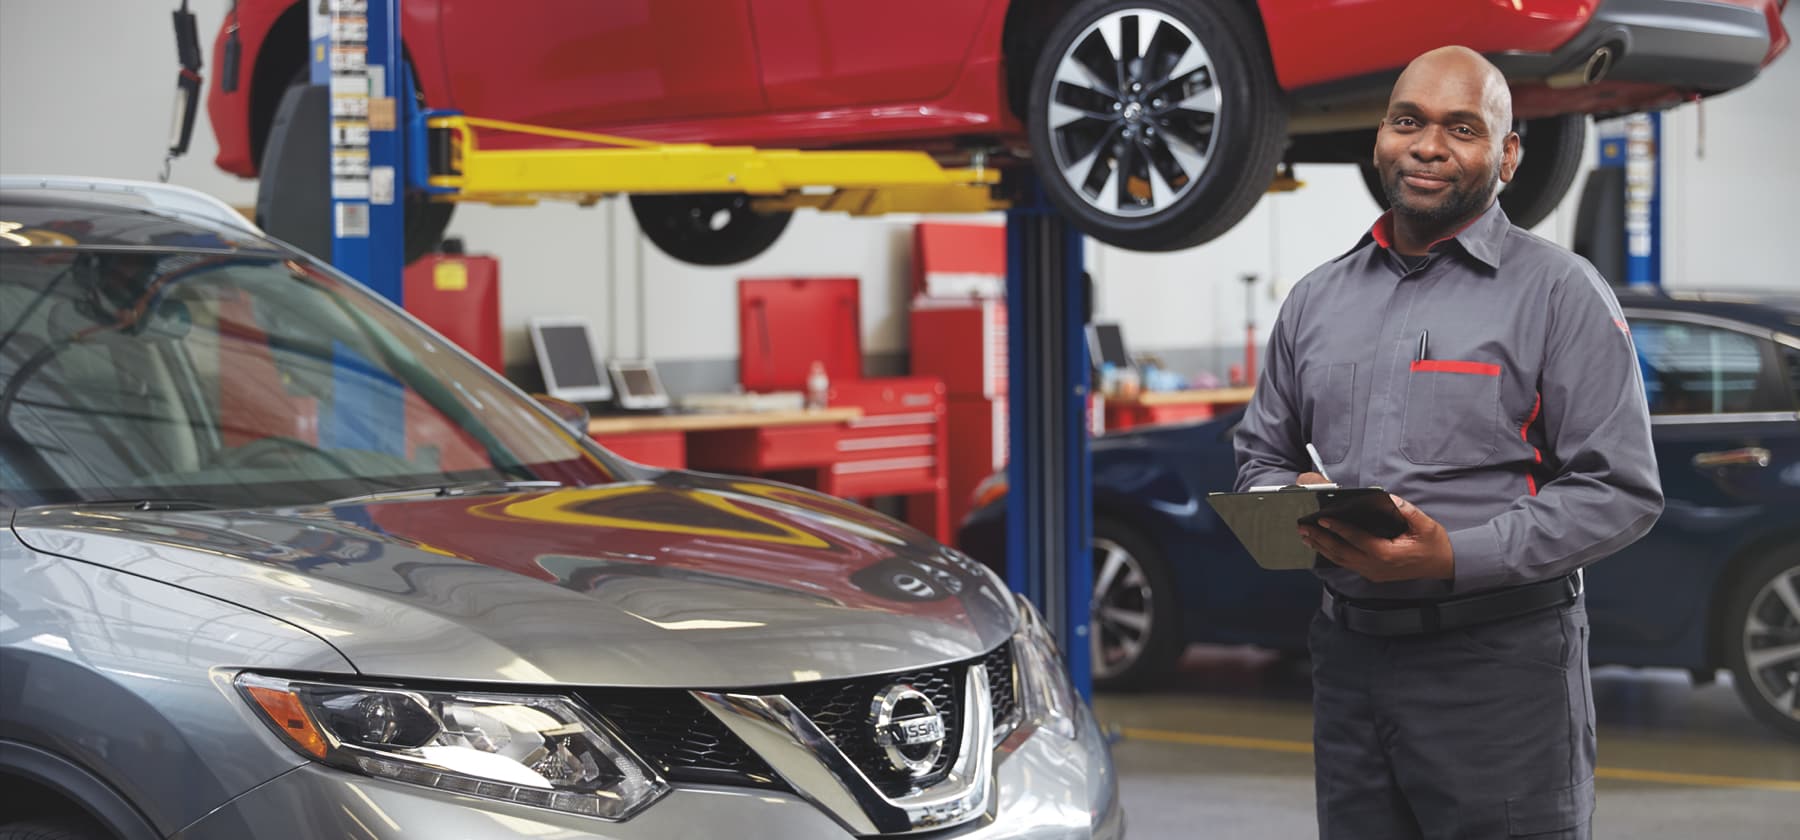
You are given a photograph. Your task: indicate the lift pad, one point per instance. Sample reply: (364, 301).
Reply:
(860, 183)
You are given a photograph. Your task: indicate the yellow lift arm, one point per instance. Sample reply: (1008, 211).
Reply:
(855, 182)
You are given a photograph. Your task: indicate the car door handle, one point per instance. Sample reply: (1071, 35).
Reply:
(1747, 457)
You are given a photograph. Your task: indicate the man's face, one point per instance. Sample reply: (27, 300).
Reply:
(1439, 153)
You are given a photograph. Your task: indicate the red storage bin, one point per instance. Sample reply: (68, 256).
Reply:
(962, 342)
(458, 296)
(786, 324)
(959, 261)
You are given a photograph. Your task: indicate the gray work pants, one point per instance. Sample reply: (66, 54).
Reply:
(1478, 732)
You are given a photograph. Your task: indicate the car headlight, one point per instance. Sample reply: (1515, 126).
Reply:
(534, 750)
(1047, 696)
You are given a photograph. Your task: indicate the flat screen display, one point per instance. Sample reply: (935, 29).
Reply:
(571, 359)
(638, 382)
(1109, 342)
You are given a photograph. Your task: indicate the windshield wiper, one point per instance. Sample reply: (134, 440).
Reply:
(433, 491)
(141, 504)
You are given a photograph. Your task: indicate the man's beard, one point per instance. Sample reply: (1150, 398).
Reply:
(1465, 202)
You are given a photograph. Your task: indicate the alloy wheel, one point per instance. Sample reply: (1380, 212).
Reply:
(1134, 112)
(1771, 639)
(1123, 611)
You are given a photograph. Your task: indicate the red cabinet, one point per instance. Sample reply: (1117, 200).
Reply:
(458, 296)
(896, 448)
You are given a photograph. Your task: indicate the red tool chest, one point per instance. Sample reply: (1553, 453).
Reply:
(897, 448)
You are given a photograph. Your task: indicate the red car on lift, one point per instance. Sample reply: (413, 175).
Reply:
(1154, 124)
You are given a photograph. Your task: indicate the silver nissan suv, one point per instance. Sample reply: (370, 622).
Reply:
(277, 561)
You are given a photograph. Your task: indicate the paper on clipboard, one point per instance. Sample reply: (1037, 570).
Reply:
(1265, 519)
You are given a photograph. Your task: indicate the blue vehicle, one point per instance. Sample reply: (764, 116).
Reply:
(1715, 585)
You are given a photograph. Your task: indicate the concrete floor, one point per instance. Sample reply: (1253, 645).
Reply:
(1224, 751)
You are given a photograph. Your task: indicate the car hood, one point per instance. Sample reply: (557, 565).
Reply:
(682, 581)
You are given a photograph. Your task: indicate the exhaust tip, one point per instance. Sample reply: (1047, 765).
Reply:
(1591, 71)
(1599, 64)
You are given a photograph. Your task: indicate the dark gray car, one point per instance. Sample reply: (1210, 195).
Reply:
(279, 562)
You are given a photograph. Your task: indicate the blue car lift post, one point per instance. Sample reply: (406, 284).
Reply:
(380, 152)
(1049, 509)
(355, 51)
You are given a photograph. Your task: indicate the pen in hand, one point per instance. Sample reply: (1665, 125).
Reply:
(1318, 463)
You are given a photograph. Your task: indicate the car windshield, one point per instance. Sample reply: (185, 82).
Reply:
(242, 380)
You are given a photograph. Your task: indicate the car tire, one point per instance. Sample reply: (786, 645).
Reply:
(1550, 157)
(1178, 194)
(1762, 612)
(60, 828)
(293, 195)
(1135, 628)
(707, 228)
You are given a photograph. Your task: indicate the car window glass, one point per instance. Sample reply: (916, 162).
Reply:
(1791, 357)
(1699, 369)
(241, 381)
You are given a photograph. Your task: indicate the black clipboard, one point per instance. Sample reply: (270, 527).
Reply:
(1265, 520)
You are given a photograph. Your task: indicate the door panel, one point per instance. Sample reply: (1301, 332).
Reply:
(591, 64)
(828, 53)
(1715, 393)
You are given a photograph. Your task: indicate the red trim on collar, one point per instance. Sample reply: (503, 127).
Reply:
(1383, 231)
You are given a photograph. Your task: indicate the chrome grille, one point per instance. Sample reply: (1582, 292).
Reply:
(669, 729)
(840, 708)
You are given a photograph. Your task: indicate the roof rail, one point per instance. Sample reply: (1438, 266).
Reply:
(166, 199)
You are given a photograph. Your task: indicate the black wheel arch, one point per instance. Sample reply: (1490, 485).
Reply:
(80, 790)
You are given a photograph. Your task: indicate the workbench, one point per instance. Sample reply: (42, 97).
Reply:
(880, 438)
(1148, 408)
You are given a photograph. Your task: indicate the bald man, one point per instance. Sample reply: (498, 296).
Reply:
(1485, 378)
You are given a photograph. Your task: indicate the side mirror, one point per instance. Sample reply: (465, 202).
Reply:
(573, 415)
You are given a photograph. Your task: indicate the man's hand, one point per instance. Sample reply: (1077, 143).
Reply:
(1422, 553)
(1310, 478)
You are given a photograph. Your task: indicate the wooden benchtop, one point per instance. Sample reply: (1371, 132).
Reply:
(710, 421)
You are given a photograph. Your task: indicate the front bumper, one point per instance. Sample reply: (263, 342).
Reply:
(1048, 789)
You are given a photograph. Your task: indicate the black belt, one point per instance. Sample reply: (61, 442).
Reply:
(1406, 618)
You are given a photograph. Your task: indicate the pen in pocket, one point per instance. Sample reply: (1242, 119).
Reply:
(1424, 341)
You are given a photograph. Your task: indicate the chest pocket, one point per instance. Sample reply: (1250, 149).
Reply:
(1452, 413)
(1328, 390)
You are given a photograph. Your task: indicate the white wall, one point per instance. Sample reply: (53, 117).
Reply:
(90, 82)
(1731, 167)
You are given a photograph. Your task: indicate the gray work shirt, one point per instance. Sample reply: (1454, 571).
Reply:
(1523, 431)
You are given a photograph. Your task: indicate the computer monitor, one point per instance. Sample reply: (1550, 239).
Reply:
(569, 360)
(1106, 345)
(637, 384)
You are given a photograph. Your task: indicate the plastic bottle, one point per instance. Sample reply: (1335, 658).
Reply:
(818, 386)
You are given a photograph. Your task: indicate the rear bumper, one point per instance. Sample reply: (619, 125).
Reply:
(1704, 46)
